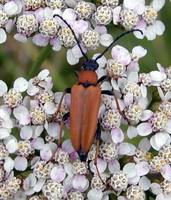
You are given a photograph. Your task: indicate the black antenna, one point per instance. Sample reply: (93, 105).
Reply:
(78, 43)
(117, 38)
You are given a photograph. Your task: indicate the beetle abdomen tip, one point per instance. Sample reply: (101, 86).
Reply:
(82, 156)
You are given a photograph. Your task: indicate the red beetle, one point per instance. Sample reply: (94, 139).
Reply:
(85, 101)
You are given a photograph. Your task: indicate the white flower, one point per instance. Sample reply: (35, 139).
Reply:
(20, 84)
(153, 27)
(3, 36)
(43, 80)
(158, 140)
(21, 113)
(6, 123)
(58, 174)
(21, 163)
(12, 7)
(95, 194)
(80, 183)
(121, 54)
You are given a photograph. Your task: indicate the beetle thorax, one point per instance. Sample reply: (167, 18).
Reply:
(87, 78)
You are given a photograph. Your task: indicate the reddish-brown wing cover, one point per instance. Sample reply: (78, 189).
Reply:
(85, 103)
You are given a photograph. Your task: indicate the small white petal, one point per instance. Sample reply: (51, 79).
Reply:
(130, 170)
(67, 146)
(143, 91)
(101, 165)
(146, 115)
(12, 145)
(116, 15)
(43, 74)
(168, 126)
(145, 183)
(58, 174)
(157, 76)
(142, 168)
(144, 129)
(129, 4)
(56, 44)
(150, 32)
(114, 166)
(20, 163)
(158, 4)
(134, 180)
(101, 61)
(40, 40)
(11, 8)
(4, 133)
(39, 185)
(21, 113)
(48, 13)
(95, 194)
(37, 131)
(46, 153)
(161, 196)
(132, 77)
(156, 189)
(159, 27)
(121, 54)
(3, 87)
(106, 40)
(32, 90)
(166, 172)
(128, 99)
(20, 38)
(141, 26)
(77, 52)
(69, 14)
(139, 51)
(50, 108)
(20, 84)
(101, 29)
(117, 135)
(132, 132)
(9, 164)
(38, 143)
(53, 130)
(20, 195)
(26, 132)
(72, 60)
(3, 36)
(80, 26)
(158, 140)
(144, 144)
(80, 183)
(126, 149)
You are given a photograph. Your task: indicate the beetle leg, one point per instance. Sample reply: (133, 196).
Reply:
(67, 90)
(107, 92)
(111, 93)
(60, 134)
(98, 135)
(103, 78)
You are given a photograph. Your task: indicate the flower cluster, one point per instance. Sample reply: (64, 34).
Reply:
(36, 20)
(38, 162)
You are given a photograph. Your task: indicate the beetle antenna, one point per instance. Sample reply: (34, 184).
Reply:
(117, 38)
(75, 37)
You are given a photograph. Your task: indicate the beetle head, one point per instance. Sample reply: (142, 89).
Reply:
(90, 65)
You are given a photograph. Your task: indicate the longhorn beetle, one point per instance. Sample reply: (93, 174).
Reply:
(85, 101)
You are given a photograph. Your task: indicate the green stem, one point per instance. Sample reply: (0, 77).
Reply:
(44, 53)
